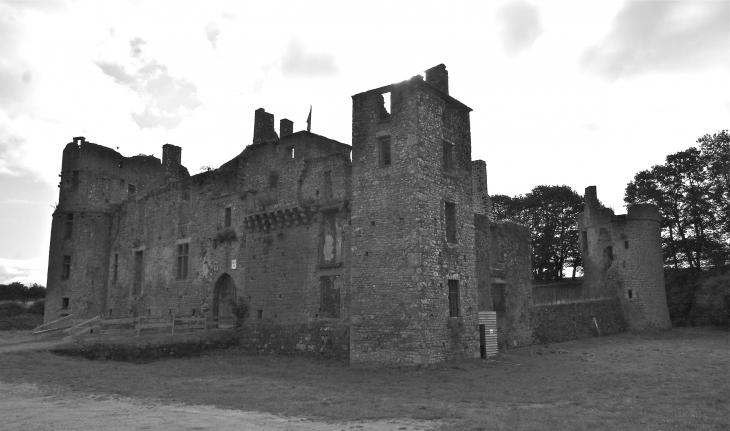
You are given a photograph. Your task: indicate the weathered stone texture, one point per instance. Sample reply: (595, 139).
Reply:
(562, 322)
(622, 256)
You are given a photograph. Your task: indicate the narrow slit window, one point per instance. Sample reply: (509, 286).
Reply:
(69, 225)
(453, 298)
(64, 303)
(227, 221)
(626, 244)
(448, 156)
(584, 240)
(182, 261)
(330, 299)
(115, 272)
(74, 180)
(385, 153)
(66, 268)
(450, 219)
(138, 272)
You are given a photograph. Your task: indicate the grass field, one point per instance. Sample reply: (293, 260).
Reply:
(673, 380)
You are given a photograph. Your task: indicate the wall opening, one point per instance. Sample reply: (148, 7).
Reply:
(330, 296)
(447, 160)
(630, 294)
(584, 240)
(138, 272)
(66, 268)
(259, 314)
(64, 303)
(224, 293)
(227, 217)
(69, 225)
(499, 302)
(385, 151)
(386, 108)
(626, 244)
(450, 219)
(454, 298)
(115, 269)
(608, 256)
(182, 261)
(328, 184)
(131, 190)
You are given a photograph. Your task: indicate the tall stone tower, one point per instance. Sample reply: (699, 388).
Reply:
(622, 255)
(414, 288)
(94, 179)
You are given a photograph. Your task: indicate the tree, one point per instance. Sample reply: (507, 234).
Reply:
(550, 214)
(691, 191)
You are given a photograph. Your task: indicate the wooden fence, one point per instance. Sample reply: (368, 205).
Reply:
(102, 325)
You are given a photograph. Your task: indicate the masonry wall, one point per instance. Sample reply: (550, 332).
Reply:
(401, 261)
(562, 322)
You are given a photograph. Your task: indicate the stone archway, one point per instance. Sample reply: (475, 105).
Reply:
(223, 293)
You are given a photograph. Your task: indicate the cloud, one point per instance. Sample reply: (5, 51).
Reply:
(24, 271)
(167, 99)
(298, 63)
(662, 36)
(11, 153)
(519, 26)
(16, 74)
(211, 32)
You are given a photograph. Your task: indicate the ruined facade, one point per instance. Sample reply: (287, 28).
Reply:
(384, 251)
(622, 257)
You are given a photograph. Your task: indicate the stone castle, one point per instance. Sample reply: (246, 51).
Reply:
(384, 250)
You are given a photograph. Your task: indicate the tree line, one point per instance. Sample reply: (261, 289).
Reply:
(17, 291)
(691, 189)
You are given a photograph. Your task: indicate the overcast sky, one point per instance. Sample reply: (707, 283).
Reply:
(578, 93)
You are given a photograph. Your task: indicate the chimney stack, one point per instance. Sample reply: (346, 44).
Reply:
(263, 127)
(438, 76)
(286, 127)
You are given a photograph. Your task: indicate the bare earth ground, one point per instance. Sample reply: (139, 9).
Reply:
(677, 379)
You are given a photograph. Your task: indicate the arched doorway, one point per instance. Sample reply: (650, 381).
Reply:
(223, 293)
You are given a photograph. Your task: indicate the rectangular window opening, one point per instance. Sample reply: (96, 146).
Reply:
(330, 299)
(291, 152)
(259, 314)
(186, 193)
(182, 261)
(498, 297)
(626, 244)
(328, 184)
(448, 156)
(138, 272)
(227, 221)
(385, 151)
(115, 271)
(66, 270)
(64, 303)
(131, 189)
(630, 294)
(450, 219)
(69, 225)
(453, 298)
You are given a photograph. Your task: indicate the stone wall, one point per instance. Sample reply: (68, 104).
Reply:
(562, 322)
(326, 339)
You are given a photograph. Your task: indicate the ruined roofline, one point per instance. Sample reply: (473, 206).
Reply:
(417, 80)
(593, 215)
(83, 144)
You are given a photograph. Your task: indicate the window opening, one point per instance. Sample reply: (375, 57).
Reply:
(446, 117)
(186, 193)
(498, 297)
(131, 189)
(385, 153)
(386, 108)
(69, 225)
(291, 152)
(74, 180)
(138, 272)
(448, 156)
(450, 215)
(66, 270)
(227, 222)
(626, 244)
(64, 303)
(182, 261)
(584, 240)
(631, 293)
(115, 272)
(260, 314)
(330, 302)
(453, 298)
(328, 184)
(329, 246)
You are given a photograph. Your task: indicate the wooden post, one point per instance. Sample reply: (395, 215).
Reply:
(172, 332)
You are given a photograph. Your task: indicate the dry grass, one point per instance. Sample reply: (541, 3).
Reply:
(668, 380)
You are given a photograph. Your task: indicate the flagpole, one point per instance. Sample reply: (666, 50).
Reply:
(309, 119)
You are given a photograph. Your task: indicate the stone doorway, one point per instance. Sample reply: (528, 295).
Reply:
(223, 293)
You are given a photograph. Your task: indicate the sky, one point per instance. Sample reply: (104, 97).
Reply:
(563, 92)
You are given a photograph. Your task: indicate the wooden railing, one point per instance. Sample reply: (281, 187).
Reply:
(62, 323)
(101, 325)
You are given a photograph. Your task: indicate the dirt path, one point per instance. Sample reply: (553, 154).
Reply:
(26, 407)
(14, 341)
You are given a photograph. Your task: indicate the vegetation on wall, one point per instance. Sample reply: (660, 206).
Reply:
(692, 192)
(225, 236)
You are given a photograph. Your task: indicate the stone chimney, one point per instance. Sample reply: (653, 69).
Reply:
(438, 76)
(171, 155)
(263, 127)
(286, 127)
(481, 201)
(591, 201)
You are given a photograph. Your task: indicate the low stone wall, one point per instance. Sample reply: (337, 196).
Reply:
(143, 351)
(324, 339)
(562, 322)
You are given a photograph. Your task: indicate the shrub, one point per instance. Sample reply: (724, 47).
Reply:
(37, 307)
(240, 310)
(11, 309)
(225, 236)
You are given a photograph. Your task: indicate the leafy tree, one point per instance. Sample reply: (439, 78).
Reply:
(550, 214)
(691, 191)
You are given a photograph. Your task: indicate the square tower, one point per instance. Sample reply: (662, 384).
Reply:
(414, 289)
